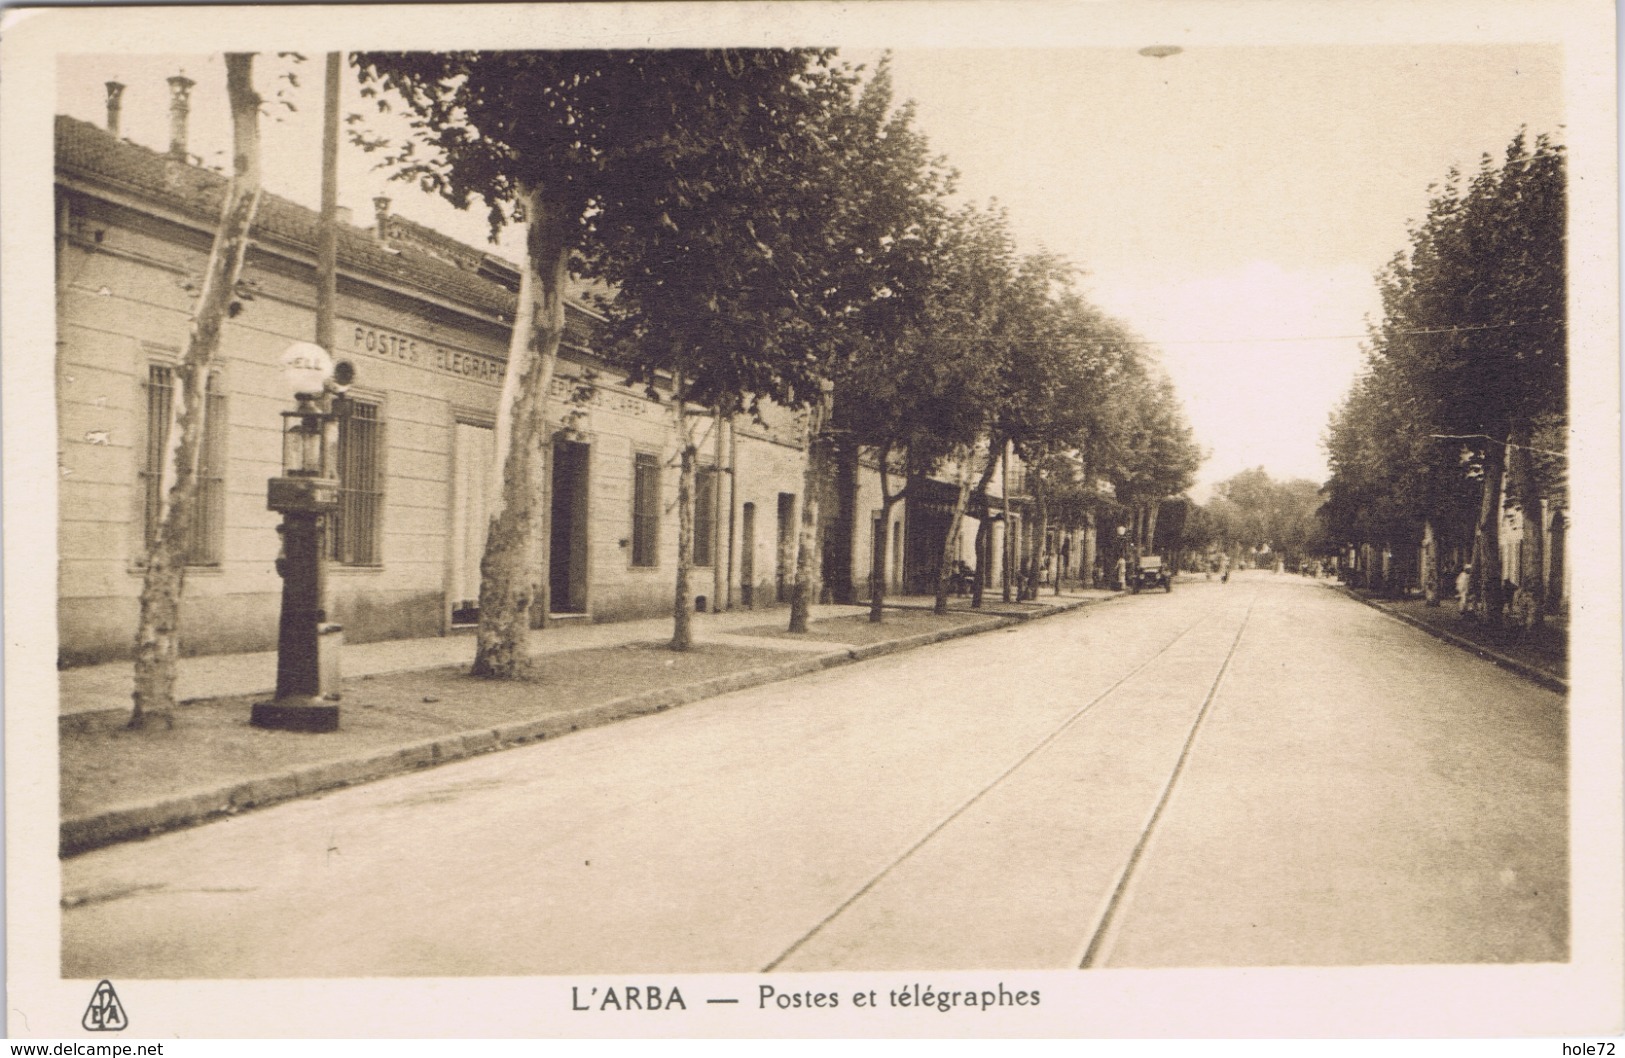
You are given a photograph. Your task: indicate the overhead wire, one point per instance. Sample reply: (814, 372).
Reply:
(1496, 440)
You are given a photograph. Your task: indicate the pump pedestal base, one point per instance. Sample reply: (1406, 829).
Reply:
(296, 714)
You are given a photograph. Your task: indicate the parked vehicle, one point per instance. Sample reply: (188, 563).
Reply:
(1151, 573)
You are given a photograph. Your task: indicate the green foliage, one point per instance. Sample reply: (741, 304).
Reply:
(1152, 453)
(931, 387)
(1471, 349)
(769, 224)
(1173, 519)
(1252, 511)
(689, 182)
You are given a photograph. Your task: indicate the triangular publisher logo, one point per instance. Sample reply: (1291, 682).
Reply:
(105, 1014)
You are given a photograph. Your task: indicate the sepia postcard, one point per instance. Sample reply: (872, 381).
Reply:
(914, 518)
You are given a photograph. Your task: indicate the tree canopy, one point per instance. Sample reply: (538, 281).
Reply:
(659, 171)
(1252, 512)
(768, 225)
(1466, 371)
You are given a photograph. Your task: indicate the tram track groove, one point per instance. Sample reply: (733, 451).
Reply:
(997, 780)
(1104, 930)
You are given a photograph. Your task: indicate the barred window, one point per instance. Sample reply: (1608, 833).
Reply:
(645, 509)
(353, 539)
(705, 505)
(1018, 479)
(205, 537)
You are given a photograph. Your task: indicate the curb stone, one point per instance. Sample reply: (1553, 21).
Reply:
(131, 822)
(1551, 681)
(922, 639)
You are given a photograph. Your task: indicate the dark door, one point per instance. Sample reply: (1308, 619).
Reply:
(747, 555)
(925, 532)
(784, 572)
(567, 556)
(877, 551)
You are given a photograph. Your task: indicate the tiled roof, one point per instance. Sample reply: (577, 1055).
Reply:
(84, 150)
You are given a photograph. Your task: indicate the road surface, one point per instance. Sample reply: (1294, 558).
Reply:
(1252, 774)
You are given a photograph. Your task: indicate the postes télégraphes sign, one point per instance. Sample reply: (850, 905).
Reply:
(366, 340)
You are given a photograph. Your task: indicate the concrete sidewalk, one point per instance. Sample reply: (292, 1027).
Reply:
(210, 764)
(95, 688)
(1444, 623)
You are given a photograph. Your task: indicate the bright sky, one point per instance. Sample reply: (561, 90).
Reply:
(1231, 204)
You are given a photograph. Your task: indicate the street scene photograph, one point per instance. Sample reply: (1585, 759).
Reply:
(817, 526)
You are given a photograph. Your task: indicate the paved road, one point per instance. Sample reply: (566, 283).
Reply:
(1258, 773)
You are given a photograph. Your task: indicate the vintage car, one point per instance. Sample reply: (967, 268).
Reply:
(1150, 573)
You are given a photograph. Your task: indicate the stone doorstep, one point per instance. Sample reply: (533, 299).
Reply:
(130, 822)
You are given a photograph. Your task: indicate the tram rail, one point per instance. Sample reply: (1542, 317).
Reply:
(1092, 948)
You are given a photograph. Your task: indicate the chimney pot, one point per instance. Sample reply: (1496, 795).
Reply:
(380, 206)
(115, 104)
(180, 106)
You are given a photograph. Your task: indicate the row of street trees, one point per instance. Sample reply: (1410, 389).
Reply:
(770, 228)
(1465, 384)
(692, 182)
(1252, 513)
(774, 228)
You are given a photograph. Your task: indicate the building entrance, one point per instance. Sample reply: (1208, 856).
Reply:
(926, 528)
(567, 555)
(747, 556)
(473, 450)
(784, 570)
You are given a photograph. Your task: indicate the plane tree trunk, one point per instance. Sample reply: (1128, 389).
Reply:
(950, 543)
(1487, 536)
(880, 565)
(1430, 564)
(513, 568)
(984, 530)
(682, 612)
(808, 552)
(157, 637)
(1525, 477)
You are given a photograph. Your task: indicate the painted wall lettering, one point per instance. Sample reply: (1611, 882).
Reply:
(406, 349)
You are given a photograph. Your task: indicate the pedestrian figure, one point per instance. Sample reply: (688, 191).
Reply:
(1224, 569)
(1120, 574)
(1523, 609)
(1464, 587)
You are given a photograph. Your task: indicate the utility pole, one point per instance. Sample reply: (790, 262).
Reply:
(307, 687)
(1009, 527)
(327, 254)
(733, 505)
(719, 570)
